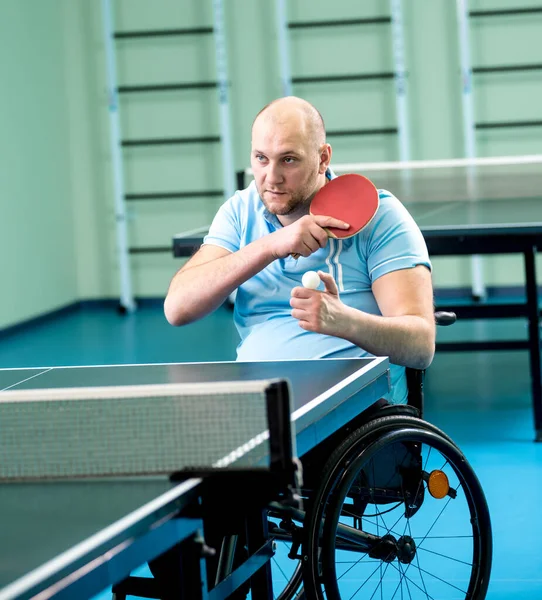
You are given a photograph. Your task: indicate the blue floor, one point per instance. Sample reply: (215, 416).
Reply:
(482, 400)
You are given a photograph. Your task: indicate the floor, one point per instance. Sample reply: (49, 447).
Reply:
(481, 400)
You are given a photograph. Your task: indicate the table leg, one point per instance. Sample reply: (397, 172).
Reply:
(534, 339)
(261, 584)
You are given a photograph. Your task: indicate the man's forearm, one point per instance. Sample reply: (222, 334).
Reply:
(408, 340)
(198, 290)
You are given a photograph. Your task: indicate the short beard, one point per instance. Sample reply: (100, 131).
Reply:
(297, 203)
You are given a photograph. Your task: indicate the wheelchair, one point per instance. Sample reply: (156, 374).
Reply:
(396, 512)
(391, 509)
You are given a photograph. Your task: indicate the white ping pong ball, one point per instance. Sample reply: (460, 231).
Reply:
(310, 280)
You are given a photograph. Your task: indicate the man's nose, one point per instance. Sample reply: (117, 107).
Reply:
(274, 173)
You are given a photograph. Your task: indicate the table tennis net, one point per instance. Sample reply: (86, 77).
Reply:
(132, 430)
(493, 178)
(467, 183)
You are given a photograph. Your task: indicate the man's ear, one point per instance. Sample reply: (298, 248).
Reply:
(325, 157)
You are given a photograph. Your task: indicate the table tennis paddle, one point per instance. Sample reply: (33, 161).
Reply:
(352, 198)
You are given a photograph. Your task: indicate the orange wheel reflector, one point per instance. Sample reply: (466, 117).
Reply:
(438, 484)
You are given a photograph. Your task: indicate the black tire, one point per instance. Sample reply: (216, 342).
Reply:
(403, 442)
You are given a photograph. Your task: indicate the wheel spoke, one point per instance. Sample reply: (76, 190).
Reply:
(443, 580)
(379, 584)
(357, 563)
(389, 530)
(349, 562)
(442, 537)
(435, 522)
(378, 567)
(399, 585)
(413, 583)
(276, 562)
(448, 557)
(403, 575)
(418, 558)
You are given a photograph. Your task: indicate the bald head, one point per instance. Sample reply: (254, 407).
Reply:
(289, 157)
(294, 114)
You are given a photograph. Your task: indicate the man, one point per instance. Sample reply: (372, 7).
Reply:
(377, 297)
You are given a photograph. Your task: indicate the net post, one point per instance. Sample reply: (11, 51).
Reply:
(282, 454)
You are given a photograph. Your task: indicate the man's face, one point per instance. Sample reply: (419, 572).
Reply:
(286, 166)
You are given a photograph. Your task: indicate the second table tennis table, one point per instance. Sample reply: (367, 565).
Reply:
(467, 210)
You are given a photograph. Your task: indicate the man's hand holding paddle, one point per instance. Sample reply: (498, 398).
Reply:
(340, 209)
(304, 236)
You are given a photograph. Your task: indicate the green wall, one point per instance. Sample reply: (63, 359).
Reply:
(58, 189)
(37, 250)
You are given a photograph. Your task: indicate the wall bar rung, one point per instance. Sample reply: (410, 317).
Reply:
(530, 10)
(339, 23)
(171, 141)
(337, 78)
(349, 132)
(165, 87)
(151, 250)
(148, 33)
(504, 124)
(507, 68)
(173, 195)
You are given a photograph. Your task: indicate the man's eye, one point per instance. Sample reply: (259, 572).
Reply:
(260, 157)
(289, 160)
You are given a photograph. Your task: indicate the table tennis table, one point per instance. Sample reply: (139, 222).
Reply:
(72, 538)
(493, 207)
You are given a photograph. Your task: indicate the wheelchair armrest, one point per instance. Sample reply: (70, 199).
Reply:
(415, 377)
(444, 318)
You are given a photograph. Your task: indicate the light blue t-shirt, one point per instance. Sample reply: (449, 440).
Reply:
(262, 315)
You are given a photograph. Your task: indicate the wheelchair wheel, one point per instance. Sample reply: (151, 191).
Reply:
(399, 514)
